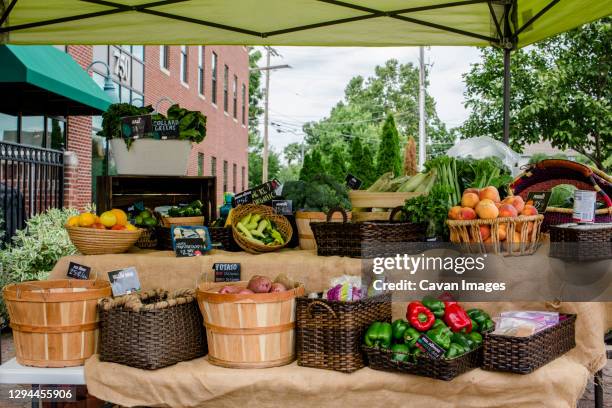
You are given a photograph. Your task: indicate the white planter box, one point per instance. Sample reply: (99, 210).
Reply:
(150, 157)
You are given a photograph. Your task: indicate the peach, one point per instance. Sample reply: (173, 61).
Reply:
(486, 209)
(472, 190)
(485, 232)
(529, 210)
(469, 200)
(488, 241)
(489, 192)
(519, 227)
(515, 201)
(507, 210)
(498, 205)
(454, 213)
(468, 213)
(502, 231)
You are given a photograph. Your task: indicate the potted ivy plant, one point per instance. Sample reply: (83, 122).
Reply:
(147, 143)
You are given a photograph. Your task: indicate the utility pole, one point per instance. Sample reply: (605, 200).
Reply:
(422, 130)
(269, 52)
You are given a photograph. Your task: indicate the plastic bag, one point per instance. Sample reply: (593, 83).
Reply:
(484, 146)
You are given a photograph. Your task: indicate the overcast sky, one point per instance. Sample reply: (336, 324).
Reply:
(318, 76)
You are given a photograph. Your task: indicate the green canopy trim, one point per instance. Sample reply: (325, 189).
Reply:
(44, 80)
(505, 23)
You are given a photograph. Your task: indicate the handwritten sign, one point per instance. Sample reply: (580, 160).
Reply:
(353, 182)
(283, 207)
(190, 240)
(78, 271)
(165, 129)
(124, 281)
(258, 195)
(135, 127)
(227, 272)
(428, 346)
(539, 199)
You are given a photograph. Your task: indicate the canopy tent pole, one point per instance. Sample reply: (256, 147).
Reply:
(508, 43)
(422, 130)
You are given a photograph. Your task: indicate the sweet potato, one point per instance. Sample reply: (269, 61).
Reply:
(278, 287)
(259, 284)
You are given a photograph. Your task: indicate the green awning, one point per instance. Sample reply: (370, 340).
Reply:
(36, 80)
(294, 22)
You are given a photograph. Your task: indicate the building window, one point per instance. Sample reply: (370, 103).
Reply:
(184, 64)
(213, 95)
(201, 61)
(164, 57)
(243, 108)
(235, 96)
(234, 176)
(39, 131)
(224, 175)
(200, 164)
(243, 178)
(225, 86)
(127, 69)
(213, 166)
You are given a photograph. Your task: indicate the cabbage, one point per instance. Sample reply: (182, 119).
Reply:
(562, 196)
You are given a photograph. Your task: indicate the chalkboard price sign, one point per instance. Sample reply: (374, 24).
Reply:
(258, 195)
(124, 281)
(539, 199)
(190, 240)
(135, 127)
(78, 271)
(227, 272)
(165, 129)
(283, 207)
(353, 182)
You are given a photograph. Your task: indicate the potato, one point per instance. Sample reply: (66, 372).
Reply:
(231, 289)
(259, 284)
(285, 281)
(278, 287)
(245, 291)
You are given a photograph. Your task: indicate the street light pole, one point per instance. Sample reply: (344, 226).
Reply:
(422, 130)
(264, 170)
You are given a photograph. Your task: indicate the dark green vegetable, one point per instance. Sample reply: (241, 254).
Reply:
(321, 194)
(455, 350)
(435, 305)
(401, 352)
(399, 326)
(379, 334)
(432, 207)
(479, 173)
(411, 335)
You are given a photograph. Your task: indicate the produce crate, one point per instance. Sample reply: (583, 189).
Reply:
(440, 369)
(371, 199)
(154, 191)
(329, 333)
(523, 355)
(580, 243)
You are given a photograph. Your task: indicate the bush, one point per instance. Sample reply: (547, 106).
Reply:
(35, 250)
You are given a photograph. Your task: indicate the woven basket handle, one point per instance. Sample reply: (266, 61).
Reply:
(334, 210)
(325, 306)
(396, 210)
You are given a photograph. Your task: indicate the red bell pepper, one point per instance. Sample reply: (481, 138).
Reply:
(420, 317)
(457, 319)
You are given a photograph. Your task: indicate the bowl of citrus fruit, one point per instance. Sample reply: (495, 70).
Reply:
(108, 233)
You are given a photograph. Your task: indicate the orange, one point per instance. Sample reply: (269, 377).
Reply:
(86, 219)
(118, 227)
(121, 216)
(108, 219)
(73, 221)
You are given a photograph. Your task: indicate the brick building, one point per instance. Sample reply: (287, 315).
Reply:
(211, 79)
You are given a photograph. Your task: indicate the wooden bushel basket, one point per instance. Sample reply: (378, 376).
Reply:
(248, 330)
(55, 322)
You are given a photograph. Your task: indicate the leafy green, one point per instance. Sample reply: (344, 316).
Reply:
(111, 119)
(562, 196)
(431, 208)
(479, 173)
(192, 124)
(446, 170)
(321, 194)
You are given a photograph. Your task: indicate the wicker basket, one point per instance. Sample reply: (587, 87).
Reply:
(172, 221)
(369, 239)
(556, 216)
(282, 225)
(440, 369)
(467, 234)
(148, 239)
(151, 330)
(330, 333)
(224, 237)
(581, 243)
(523, 355)
(92, 241)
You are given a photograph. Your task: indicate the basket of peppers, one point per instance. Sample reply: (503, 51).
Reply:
(438, 339)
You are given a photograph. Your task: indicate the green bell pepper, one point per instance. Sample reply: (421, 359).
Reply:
(401, 352)
(486, 326)
(436, 306)
(479, 316)
(411, 335)
(379, 334)
(441, 336)
(416, 353)
(455, 350)
(476, 338)
(475, 326)
(438, 323)
(463, 340)
(399, 326)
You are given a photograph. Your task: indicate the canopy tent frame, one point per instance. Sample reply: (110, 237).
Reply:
(507, 37)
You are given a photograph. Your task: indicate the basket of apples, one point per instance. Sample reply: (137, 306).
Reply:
(109, 233)
(483, 223)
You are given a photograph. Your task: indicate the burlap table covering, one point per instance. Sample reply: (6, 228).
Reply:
(199, 384)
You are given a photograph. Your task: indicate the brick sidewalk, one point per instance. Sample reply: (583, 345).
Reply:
(587, 400)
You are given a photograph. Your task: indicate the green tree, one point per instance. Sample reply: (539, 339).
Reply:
(256, 164)
(561, 93)
(292, 152)
(255, 91)
(367, 168)
(336, 166)
(356, 157)
(313, 165)
(389, 156)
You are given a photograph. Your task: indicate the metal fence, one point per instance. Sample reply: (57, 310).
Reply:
(31, 181)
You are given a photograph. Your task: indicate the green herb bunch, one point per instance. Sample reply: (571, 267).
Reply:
(432, 208)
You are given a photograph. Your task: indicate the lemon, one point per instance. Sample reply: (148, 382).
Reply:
(86, 219)
(130, 227)
(73, 221)
(108, 219)
(121, 216)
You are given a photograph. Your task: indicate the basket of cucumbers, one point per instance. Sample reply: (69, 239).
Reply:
(258, 229)
(184, 215)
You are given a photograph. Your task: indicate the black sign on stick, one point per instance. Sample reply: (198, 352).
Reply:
(258, 195)
(78, 271)
(190, 240)
(124, 281)
(227, 272)
(283, 207)
(353, 182)
(539, 199)
(428, 346)
(135, 127)
(165, 129)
